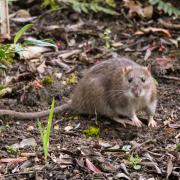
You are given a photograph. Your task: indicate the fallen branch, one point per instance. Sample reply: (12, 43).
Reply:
(169, 25)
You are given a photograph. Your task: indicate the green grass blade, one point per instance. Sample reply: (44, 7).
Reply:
(48, 130)
(21, 32)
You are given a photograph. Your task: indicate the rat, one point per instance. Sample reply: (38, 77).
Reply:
(118, 86)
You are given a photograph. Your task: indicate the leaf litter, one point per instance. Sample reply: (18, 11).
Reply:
(72, 154)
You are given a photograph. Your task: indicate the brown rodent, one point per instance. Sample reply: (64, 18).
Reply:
(114, 87)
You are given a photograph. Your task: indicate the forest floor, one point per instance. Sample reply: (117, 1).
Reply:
(72, 155)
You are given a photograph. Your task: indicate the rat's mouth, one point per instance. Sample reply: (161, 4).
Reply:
(137, 93)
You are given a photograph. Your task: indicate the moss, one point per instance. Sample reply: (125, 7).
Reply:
(92, 132)
(48, 80)
(72, 79)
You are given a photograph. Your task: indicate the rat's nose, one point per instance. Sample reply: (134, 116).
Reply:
(136, 92)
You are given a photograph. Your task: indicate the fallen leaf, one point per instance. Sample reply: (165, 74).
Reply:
(92, 167)
(13, 160)
(56, 127)
(175, 125)
(23, 20)
(58, 75)
(148, 54)
(28, 142)
(135, 8)
(28, 154)
(30, 128)
(104, 144)
(165, 63)
(41, 68)
(116, 147)
(153, 30)
(23, 13)
(68, 128)
(32, 52)
(37, 84)
(122, 176)
(169, 168)
(148, 11)
(117, 44)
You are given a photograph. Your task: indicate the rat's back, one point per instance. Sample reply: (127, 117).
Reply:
(89, 97)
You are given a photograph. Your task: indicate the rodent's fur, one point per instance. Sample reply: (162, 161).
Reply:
(113, 87)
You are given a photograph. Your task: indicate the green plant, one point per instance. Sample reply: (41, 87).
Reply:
(46, 131)
(92, 132)
(72, 79)
(85, 6)
(166, 7)
(7, 52)
(48, 80)
(52, 3)
(11, 149)
(107, 38)
(178, 147)
(134, 161)
(21, 32)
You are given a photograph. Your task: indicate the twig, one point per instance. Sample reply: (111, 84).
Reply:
(125, 16)
(69, 54)
(170, 78)
(169, 25)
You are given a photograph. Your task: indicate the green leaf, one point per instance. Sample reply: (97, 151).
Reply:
(21, 32)
(170, 11)
(178, 147)
(94, 7)
(84, 7)
(76, 7)
(111, 3)
(165, 8)
(45, 132)
(37, 42)
(153, 2)
(2, 66)
(160, 5)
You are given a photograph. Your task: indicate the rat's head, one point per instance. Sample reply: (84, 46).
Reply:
(137, 81)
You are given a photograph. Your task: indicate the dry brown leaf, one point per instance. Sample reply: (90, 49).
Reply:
(92, 167)
(37, 84)
(153, 30)
(165, 63)
(13, 160)
(169, 168)
(148, 12)
(135, 8)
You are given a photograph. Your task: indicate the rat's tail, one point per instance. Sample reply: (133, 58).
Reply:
(34, 115)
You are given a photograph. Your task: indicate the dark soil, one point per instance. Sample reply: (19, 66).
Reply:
(69, 151)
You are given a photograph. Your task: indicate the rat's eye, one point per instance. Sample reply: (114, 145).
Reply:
(130, 79)
(143, 79)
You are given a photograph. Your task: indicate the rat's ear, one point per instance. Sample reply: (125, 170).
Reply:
(148, 68)
(126, 69)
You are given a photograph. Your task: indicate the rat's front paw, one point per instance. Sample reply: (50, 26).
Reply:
(137, 122)
(152, 123)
